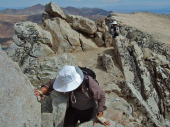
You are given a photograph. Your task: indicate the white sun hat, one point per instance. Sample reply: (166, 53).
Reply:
(114, 22)
(68, 79)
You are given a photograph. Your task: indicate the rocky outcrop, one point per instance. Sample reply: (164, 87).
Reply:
(141, 99)
(33, 41)
(19, 107)
(145, 40)
(42, 70)
(30, 41)
(108, 64)
(140, 85)
(82, 24)
(54, 10)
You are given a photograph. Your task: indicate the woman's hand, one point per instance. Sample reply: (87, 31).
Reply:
(38, 93)
(101, 119)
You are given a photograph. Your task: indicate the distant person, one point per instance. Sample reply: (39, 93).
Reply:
(81, 106)
(114, 29)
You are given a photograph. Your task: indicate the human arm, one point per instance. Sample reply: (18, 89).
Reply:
(97, 93)
(99, 96)
(45, 89)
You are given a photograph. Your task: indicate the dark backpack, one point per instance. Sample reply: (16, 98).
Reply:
(88, 72)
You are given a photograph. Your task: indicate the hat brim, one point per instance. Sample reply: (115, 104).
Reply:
(71, 85)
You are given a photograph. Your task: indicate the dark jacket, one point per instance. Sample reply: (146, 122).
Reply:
(114, 31)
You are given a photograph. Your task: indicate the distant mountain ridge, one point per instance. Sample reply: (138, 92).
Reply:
(36, 9)
(85, 11)
(39, 9)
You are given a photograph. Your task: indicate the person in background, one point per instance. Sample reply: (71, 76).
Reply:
(80, 105)
(114, 29)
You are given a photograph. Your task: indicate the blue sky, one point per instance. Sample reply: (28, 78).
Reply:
(89, 3)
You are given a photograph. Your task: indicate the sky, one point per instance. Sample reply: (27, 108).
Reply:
(89, 3)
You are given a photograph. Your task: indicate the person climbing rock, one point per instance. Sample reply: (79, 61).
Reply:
(114, 29)
(85, 99)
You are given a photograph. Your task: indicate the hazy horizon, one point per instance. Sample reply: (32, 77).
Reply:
(154, 4)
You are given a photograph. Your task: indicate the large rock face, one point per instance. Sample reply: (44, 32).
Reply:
(19, 107)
